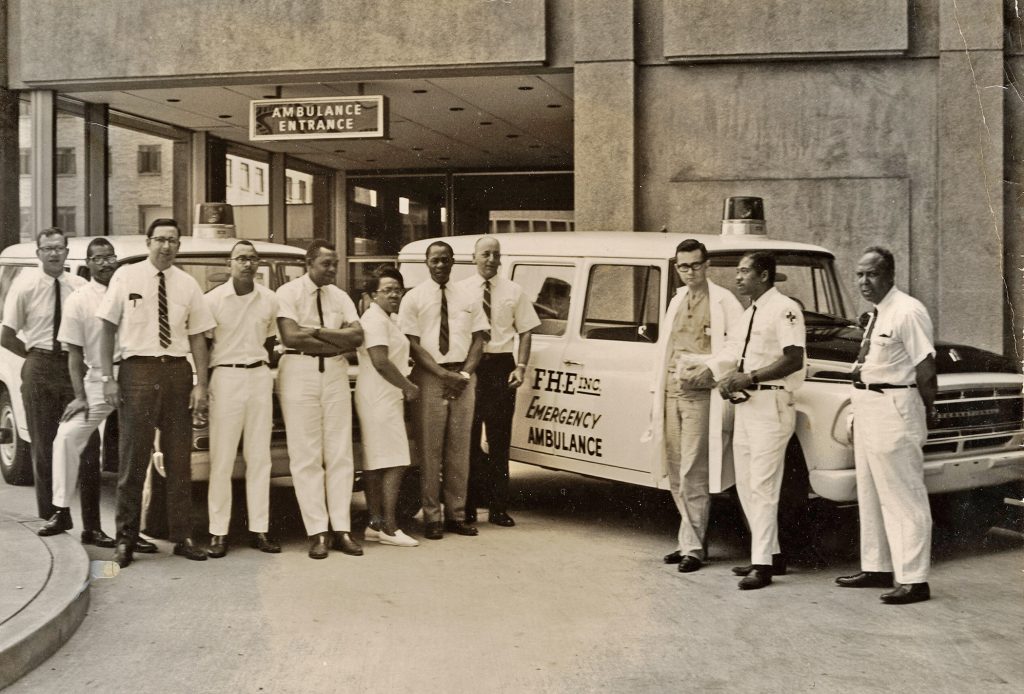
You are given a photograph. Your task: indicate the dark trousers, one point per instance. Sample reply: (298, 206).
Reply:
(89, 481)
(154, 395)
(495, 404)
(46, 391)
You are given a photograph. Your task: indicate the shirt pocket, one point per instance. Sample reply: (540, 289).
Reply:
(332, 319)
(503, 313)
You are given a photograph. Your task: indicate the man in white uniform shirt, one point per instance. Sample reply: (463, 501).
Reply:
(894, 387)
(446, 330)
(33, 310)
(510, 314)
(156, 313)
(80, 333)
(241, 398)
(318, 322)
(769, 370)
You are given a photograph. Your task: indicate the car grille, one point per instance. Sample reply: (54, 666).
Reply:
(976, 419)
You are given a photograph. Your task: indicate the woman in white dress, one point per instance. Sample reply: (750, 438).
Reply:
(380, 389)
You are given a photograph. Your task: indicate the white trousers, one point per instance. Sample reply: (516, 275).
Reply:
(763, 427)
(71, 439)
(317, 409)
(889, 430)
(241, 400)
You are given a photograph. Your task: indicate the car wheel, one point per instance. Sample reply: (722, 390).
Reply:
(15, 456)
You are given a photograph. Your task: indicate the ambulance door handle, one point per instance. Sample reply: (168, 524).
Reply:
(570, 362)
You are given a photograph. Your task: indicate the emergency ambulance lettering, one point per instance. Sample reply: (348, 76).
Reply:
(568, 382)
(561, 415)
(563, 441)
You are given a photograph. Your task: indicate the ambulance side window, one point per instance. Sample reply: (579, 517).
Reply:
(549, 287)
(622, 303)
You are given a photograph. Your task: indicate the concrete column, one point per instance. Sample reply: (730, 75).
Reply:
(200, 158)
(1013, 162)
(10, 169)
(970, 137)
(97, 193)
(44, 176)
(339, 224)
(604, 115)
(277, 197)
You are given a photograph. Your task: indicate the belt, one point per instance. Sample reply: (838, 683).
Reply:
(311, 354)
(880, 387)
(48, 353)
(162, 359)
(762, 386)
(254, 365)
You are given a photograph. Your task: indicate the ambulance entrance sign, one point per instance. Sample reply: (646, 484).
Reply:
(327, 118)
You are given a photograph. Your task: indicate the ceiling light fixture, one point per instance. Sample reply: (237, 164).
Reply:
(554, 105)
(456, 108)
(419, 91)
(525, 88)
(224, 115)
(486, 122)
(173, 101)
(511, 136)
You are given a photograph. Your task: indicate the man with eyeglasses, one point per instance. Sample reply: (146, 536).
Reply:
(241, 390)
(703, 317)
(34, 308)
(80, 333)
(156, 313)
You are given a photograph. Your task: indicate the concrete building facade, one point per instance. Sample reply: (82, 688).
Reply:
(898, 122)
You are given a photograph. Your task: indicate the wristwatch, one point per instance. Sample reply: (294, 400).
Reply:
(106, 379)
(753, 377)
(464, 374)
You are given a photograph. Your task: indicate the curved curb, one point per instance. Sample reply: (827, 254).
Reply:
(50, 616)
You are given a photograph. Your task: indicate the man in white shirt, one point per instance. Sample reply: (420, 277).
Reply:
(318, 323)
(33, 310)
(446, 330)
(156, 313)
(894, 386)
(241, 398)
(510, 314)
(769, 370)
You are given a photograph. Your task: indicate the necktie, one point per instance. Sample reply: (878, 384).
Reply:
(865, 345)
(442, 336)
(56, 314)
(320, 314)
(487, 300)
(746, 341)
(165, 324)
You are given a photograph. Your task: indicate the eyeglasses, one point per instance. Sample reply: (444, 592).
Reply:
(691, 267)
(104, 259)
(169, 240)
(246, 260)
(52, 250)
(391, 290)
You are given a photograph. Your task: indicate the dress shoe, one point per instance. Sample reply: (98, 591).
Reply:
(778, 567)
(318, 546)
(866, 579)
(188, 549)
(689, 564)
(59, 522)
(347, 545)
(500, 518)
(97, 538)
(144, 546)
(399, 539)
(759, 577)
(471, 516)
(460, 528)
(123, 554)
(265, 543)
(907, 593)
(218, 547)
(433, 531)
(673, 557)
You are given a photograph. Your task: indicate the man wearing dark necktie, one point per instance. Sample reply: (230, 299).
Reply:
(318, 323)
(157, 313)
(511, 317)
(894, 386)
(769, 369)
(446, 330)
(33, 308)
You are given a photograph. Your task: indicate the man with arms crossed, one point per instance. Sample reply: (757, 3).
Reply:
(156, 312)
(701, 315)
(769, 370)
(33, 308)
(498, 376)
(241, 392)
(894, 386)
(446, 330)
(318, 323)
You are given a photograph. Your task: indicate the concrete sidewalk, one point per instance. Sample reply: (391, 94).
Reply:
(44, 593)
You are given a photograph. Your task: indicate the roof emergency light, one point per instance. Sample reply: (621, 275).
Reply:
(743, 216)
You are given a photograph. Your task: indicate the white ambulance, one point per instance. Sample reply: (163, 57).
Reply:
(592, 401)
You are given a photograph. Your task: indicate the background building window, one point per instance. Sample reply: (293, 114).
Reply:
(25, 161)
(289, 186)
(229, 168)
(66, 161)
(66, 219)
(243, 170)
(302, 191)
(149, 159)
(259, 180)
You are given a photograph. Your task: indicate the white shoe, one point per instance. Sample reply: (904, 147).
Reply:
(399, 539)
(371, 535)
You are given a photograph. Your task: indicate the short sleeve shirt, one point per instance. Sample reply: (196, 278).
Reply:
(297, 300)
(28, 309)
(132, 304)
(511, 312)
(243, 323)
(381, 330)
(900, 340)
(79, 325)
(420, 316)
(778, 323)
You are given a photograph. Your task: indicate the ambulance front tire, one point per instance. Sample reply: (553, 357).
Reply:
(15, 455)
